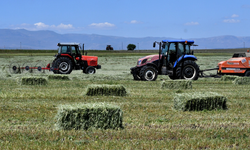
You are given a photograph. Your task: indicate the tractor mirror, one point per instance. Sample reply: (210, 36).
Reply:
(192, 52)
(86, 53)
(154, 44)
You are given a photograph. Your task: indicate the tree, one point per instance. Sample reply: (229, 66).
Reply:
(131, 47)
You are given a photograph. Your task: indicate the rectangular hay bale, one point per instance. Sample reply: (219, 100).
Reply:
(91, 115)
(58, 77)
(33, 81)
(228, 78)
(242, 80)
(176, 84)
(106, 90)
(199, 101)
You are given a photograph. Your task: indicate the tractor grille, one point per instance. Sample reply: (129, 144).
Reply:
(144, 60)
(93, 63)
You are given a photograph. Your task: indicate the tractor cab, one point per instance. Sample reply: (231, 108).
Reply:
(68, 48)
(174, 49)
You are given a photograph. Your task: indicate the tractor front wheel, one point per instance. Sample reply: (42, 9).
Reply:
(90, 70)
(148, 73)
(62, 65)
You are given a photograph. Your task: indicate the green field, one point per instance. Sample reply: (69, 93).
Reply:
(27, 112)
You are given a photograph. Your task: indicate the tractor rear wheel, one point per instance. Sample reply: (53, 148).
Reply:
(62, 65)
(148, 73)
(189, 71)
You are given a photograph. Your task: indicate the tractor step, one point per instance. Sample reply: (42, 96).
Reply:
(164, 71)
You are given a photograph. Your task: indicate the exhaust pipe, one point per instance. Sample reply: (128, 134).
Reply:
(83, 49)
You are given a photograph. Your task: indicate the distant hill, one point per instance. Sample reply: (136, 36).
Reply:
(44, 39)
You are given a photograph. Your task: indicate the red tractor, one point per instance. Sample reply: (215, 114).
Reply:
(70, 58)
(109, 47)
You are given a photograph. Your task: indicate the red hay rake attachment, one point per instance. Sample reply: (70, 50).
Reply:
(16, 68)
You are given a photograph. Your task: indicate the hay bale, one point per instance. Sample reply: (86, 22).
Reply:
(58, 77)
(228, 78)
(176, 84)
(199, 101)
(106, 90)
(33, 81)
(242, 80)
(91, 115)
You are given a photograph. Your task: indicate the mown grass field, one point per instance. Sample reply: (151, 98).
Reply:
(27, 112)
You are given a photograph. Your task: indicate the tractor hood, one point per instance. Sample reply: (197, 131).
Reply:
(147, 59)
(92, 60)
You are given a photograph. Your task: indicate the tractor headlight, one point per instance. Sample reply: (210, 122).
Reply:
(139, 62)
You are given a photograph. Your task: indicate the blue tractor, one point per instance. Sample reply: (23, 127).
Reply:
(175, 59)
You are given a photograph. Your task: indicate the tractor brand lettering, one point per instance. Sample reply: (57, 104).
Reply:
(232, 68)
(243, 60)
(232, 63)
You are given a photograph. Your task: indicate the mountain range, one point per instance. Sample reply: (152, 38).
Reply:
(44, 39)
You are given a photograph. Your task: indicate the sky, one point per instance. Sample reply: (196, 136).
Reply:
(130, 18)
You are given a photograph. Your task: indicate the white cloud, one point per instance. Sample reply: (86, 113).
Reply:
(191, 23)
(134, 22)
(234, 16)
(231, 21)
(65, 26)
(41, 25)
(102, 25)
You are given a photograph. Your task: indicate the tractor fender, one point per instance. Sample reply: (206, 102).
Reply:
(66, 55)
(137, 69)
(153, 65)
(183, 58)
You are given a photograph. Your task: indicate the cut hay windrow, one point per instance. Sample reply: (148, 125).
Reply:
(176, 84)
(91, 115)
(106, 90)
(58, 77)
(199, 101)
(228, 78)
(242, 81)
(32, 81)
